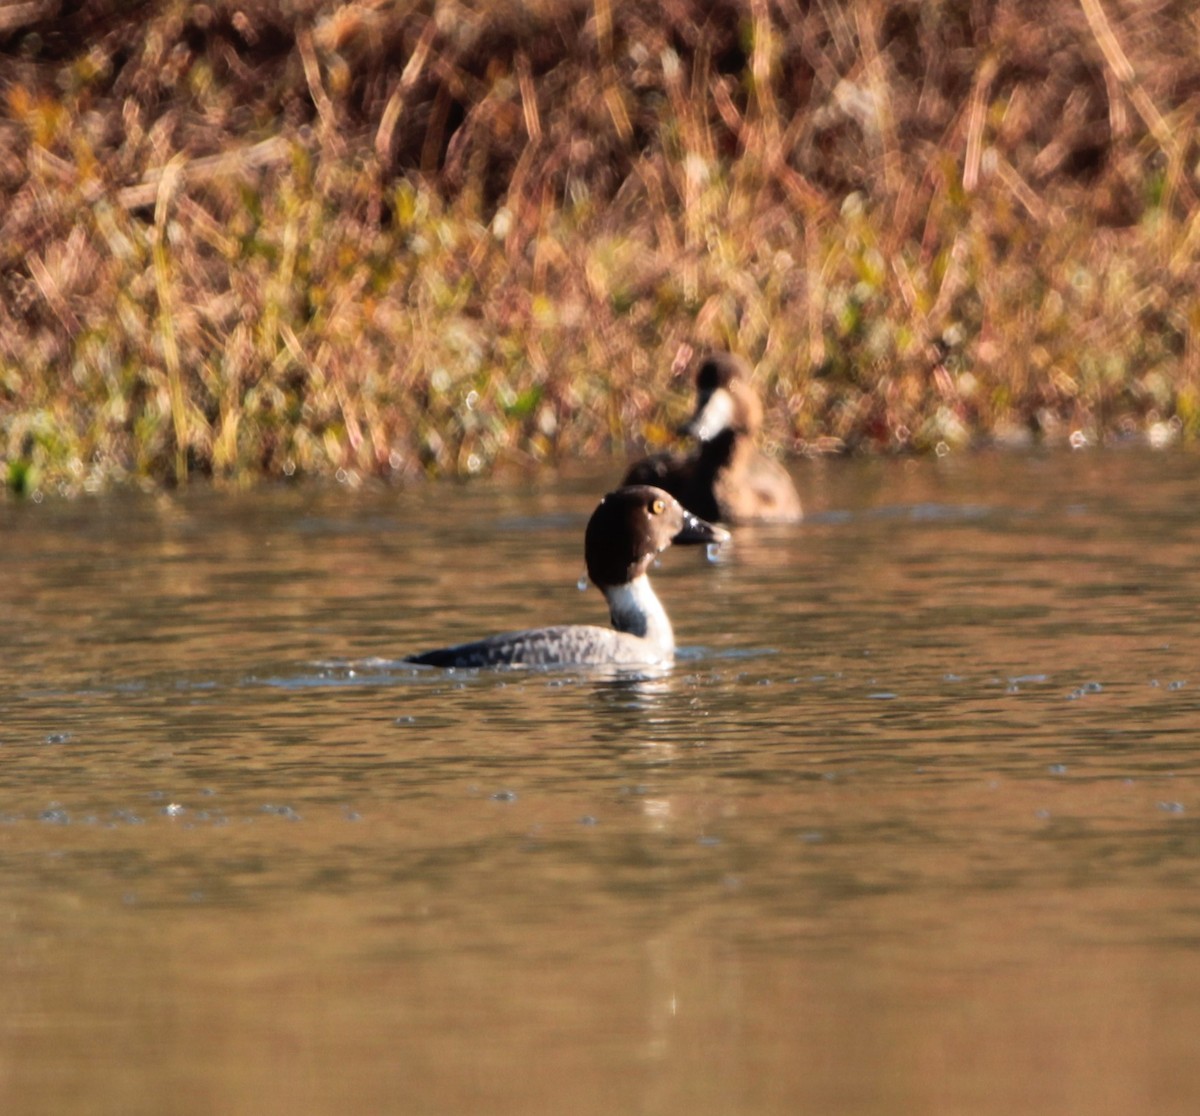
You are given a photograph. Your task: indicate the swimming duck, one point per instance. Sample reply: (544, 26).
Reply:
(727, 478)
(628, 530)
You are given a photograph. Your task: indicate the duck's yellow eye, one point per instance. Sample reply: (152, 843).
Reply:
(658, 507)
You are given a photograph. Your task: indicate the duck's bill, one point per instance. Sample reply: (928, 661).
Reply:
(714, 413)
(697, 530)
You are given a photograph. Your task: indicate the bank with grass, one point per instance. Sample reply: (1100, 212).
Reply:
(401, 239)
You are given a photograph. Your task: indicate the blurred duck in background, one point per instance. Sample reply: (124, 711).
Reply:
(727, 478)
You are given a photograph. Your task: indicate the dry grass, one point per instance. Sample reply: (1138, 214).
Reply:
(389, 237)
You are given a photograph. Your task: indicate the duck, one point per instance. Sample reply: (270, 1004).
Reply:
(727, 479)
(628, 530)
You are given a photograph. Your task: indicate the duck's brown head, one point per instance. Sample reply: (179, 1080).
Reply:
(725, 399)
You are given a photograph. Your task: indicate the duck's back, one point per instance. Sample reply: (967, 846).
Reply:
(759, 491)
(659, 469)
(562, 645)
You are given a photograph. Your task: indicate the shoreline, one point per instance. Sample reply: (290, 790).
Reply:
(377, 239)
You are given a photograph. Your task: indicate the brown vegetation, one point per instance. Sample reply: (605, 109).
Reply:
(386, 237)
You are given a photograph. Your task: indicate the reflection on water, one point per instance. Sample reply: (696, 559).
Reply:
(911, 825)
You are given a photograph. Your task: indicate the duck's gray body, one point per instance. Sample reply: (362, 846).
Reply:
(626, 532)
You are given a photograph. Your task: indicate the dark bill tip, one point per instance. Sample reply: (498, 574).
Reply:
(697, 530)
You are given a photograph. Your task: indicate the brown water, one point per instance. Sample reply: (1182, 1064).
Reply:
(913, 825)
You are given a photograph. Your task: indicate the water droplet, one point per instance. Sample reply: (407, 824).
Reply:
(1171, 807)
(582, 583)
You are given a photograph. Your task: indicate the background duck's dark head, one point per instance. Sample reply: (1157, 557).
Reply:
(725, 398)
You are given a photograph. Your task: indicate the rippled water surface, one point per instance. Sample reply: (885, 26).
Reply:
(912, 826)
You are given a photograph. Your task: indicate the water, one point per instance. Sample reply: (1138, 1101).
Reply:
(912, 826)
